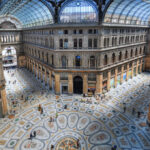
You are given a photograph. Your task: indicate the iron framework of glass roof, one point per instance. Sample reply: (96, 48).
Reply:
(43, 12)
(29, 12)
(134, 12)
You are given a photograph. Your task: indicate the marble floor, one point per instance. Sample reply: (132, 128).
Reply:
(96, 126)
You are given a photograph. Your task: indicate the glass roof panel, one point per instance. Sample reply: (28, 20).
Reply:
(128, 12)
(28, 12)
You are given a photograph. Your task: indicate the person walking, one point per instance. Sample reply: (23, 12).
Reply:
(31, 136)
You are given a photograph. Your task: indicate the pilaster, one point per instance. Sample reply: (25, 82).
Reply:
(122, 71)
(99, 83)
(70, 84)
(108, 80)
(116, 74)
(85, 84)
(127, 76)
(57, 83)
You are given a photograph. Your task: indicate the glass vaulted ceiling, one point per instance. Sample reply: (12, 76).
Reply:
(29, 12)
(134, 12)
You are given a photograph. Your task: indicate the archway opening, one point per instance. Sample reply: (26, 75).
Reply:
(9, 58)
(78, 85)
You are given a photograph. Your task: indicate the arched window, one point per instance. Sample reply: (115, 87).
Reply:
(120, 41)
(105, 60)
(136, 52)
(47, 57)
(140, 50)
(113, 41)
(64, 61)
(126, 54)
(42, 55)
(52, 60)
(131, 53)
(61, 43)
(92, 61)
(144, 51)
(120, 56)
(105, 42)
(78, 11)
(78, 61)
(113, 57)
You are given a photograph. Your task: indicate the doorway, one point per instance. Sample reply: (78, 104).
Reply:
(78, 85)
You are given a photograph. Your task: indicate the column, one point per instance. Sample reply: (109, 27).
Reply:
(85, 84)
(127, 76)
(137, 64)
(141, 66)
(148, 115)
(4, 100)
(37, 70)
(41, 74)
(32, 67)
(27, 64)
(50, 79)
(45, 76)
(99, 83)
(57, 83)
(108, 80)
(70, 84)
(122, 70)
(116, 75)
(132, 70)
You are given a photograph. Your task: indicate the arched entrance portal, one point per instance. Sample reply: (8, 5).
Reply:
(9, 57)
(78, 85)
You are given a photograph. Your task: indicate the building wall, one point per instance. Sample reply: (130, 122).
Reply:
(124, 48)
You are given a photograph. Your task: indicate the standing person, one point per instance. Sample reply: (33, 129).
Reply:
(52, 147)
(41, 110)
(139, 114)
(34, 133)
(56, 115)
(124, 109)
(78, 143)
(39, 107)
(133, 111)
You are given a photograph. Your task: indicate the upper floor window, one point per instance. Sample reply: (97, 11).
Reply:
(65, 31)
(92, 61)
(75, 43)
(80, 31)
(78, 61)
(64, 61)
(105, 60)
(66, 43)
(95, 43)
(80, 43)
(89, 43)
(61, 43)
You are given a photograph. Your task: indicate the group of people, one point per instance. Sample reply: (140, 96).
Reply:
(133, 111)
